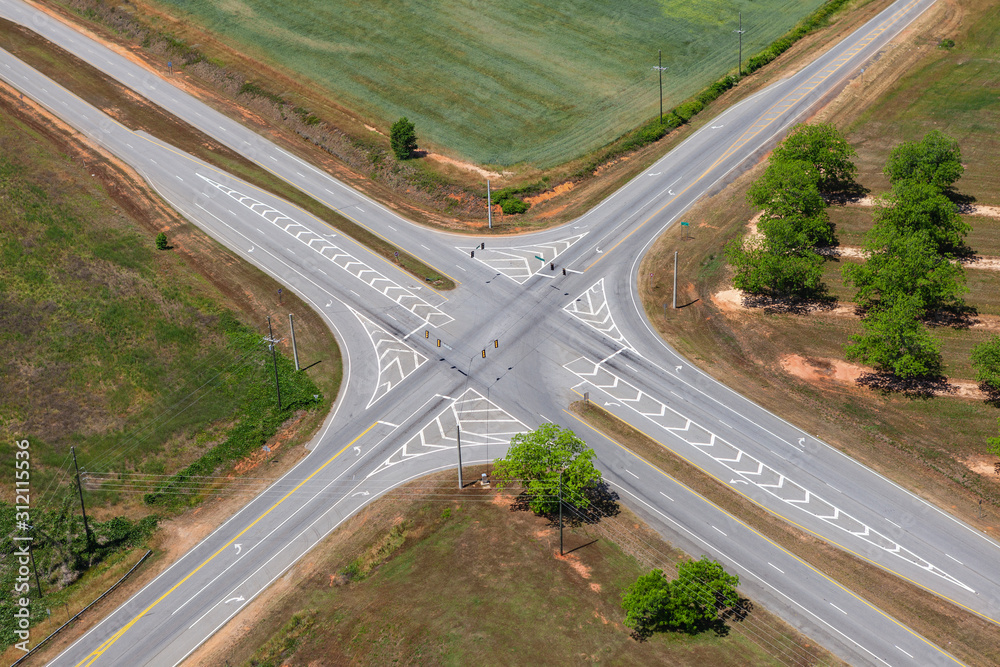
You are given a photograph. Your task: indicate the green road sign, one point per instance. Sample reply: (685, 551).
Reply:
(541, 259)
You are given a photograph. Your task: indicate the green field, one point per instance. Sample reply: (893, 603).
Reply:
(501, 83)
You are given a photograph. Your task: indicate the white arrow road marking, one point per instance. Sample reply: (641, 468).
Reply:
(251, 249)
(599, 250)
(678, 369)
(802, 442)
(607, 403)
(738, 481)
(671, 193)
(358, 450)
(716, 127)
(359, 493)
(238, 547)
(237, 599)
(329, 304)
(656, 174)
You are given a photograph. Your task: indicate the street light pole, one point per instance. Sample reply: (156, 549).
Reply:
(560, 514)
(659, 69)
(739, 63)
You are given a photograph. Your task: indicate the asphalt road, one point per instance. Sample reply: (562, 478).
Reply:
(559, 336)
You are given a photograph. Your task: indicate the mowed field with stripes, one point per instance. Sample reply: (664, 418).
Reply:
(505, 83)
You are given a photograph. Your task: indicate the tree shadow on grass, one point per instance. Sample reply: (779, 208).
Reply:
(790, 305)
(916, 387)
(959, 316)
(602, 504)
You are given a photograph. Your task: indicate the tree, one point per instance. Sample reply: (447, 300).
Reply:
(535, 460)
(698, 600)
(788, 188)
(895, 342)
(826, 149)
(936, 160)
(905, 265)
(701, 592)
(770, 268)
(986, 362)
(161, 242)
(915, 206)
(403, 138)
(646, 604)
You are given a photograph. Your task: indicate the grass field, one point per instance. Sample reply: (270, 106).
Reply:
(501, 83)
(425, 576)
(138, 358)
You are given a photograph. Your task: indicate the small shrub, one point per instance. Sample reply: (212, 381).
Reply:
(946, 43)
(161, 242)
(513, 205)
(403, 138)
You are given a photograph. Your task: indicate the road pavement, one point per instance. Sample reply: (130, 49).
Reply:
(557, 337)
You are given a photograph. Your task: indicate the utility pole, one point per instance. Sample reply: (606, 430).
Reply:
(489, 204)
(659, 69)
(458, 436)
(675, 280)
(295, 350)
(271, 340)
(739, 63)
(560, 515)
(31, 554)
(79, 486)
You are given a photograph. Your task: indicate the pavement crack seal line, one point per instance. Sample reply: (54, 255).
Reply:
(592, 308)
(110, 641)
(396, 359)
(515, 261)
(483, 422)
(739, 462)
(317, 243)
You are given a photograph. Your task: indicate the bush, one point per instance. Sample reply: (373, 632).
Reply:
(513, 205)
(936, 160)
(161, 242)
(946, 43)
(403, 138)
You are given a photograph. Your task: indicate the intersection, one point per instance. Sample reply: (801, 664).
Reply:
(557, 336)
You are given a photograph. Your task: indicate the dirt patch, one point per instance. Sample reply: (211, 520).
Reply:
(983, 464)
(468, 166)
(560, 189)
(821, 370)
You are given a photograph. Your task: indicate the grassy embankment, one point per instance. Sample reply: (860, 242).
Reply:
(518, 82)
(137, 114)
(429, 576)
(130, 354)
(967, 636)
(283, 103)
(935, 446)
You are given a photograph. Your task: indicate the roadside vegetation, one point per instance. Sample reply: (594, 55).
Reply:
(430, 575)
(269, 90)
(144, 361)
(137, 114)
(929, 432)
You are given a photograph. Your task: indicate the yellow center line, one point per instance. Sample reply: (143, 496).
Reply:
(108, 643)
(754, 130)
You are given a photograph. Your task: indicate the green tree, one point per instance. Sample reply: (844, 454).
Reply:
(916, 206)
(905, 265)
(787, 188)
(646, 604)
(770, 268)
(161, 242)
(826, 149)
(936, 160)
(535, 460)
(702, 591)
(895, 342)
(403, 138)
(986, 362)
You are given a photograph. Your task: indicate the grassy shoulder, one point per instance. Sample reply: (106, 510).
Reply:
(145, 361)
(934, 446)
(436, 190)
(136, 113)
(431, 575)
(967, 636)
